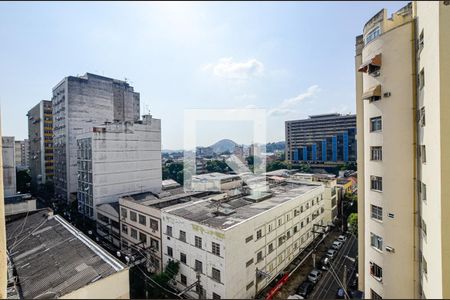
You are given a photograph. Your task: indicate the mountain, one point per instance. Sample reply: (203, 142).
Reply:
(223, 145)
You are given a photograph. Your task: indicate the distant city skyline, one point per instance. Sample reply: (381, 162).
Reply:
(277, 56)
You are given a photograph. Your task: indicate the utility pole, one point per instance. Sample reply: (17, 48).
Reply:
(344, 280)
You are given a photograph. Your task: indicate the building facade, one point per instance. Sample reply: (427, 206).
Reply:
(80, 103)
(118, 159)
(231, 244)
(321, 138)
(9, 166)
(22, 154)
(40, 138)
(403, 146)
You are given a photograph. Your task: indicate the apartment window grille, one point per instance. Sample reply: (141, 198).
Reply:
(169, 251)
(182, 236)
(376, 183)
(169, 230)
(249, 286)
(183, 258)
(259, 256)
(133, 216)
(376, 271)
(258, 234)
(183, 279)
(133, 233)
(124, 228)
(421, 116)
(154, 244)
(198, 242)
(249, 238)
(142, 220)
(280, 241)
(123, 212)
(249, 263)
(153, 224)
(374, 295)
(198, 266)
(376, 153)
(376, 212)
(376, 241)
(421, 79)
(216, 274)
(271, 248)
(143, 237)
(215, 249)
(216, 296)
(375, 124)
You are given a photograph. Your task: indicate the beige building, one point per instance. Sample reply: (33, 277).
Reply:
(402, 99)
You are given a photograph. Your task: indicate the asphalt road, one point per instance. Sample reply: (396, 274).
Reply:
(327, 286)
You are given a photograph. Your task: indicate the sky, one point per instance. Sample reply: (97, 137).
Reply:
(291, 59)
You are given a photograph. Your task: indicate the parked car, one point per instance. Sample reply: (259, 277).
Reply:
(323, 264)
(305, 288)
(342, 238)
(331, 253)
(336, 245)
(295, 296)
(314, 276)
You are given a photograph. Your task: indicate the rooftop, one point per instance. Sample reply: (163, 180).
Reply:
(52, 258)
(214, 176)
(239, 210)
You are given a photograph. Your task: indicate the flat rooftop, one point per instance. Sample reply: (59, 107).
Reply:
(52, 258)
(214, 176)
(240, 209)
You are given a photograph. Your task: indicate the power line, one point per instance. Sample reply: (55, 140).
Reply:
(149, 278)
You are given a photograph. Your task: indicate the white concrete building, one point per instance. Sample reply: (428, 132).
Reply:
(228, 241)
(22, 154)
(118, 159)
(108, 223)
(9, 166)
(215, 182)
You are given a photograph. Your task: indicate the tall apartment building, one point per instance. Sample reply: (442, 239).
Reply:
(22, 154)
(118, 159)
(402, 99)
(40, 138)
(9, 166)
(229, 242)
(321, 138)
(80, 103)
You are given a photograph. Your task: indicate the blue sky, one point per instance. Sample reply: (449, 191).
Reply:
(293, 59)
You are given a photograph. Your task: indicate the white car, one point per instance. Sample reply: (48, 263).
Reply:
(336, 245)
(331, 253)
(342, 238)
(314, 276)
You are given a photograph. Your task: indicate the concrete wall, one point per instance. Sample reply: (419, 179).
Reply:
(9, 166)
(115, 286)
(3, 258)
(235, 252)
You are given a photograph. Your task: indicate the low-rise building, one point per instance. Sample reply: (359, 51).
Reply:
(49, 258)
(215, 182)
(9, 166)
(108, 223)
(117, 159)
(231, 242)
(19, 203)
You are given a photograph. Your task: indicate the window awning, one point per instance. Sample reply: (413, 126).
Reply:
(374, 61)
(372, 92)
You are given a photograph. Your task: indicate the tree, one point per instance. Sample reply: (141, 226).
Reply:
(276, 165)
(217, 166)
(352, 221)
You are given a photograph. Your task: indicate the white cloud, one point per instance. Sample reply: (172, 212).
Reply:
(288, 105)
(227, 68)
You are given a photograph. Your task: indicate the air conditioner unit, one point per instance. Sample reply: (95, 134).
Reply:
(390, 249)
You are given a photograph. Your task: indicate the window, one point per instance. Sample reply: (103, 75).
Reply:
(142, 220)
(259, 256)
(373, 34)
(376, 241)
(280, 221)
(183, 279)
(270, 228)
(423, 154)
(280, 241)
(198, 266)
(133, 216)
(249, 286)
(143, 237)
(271, 248)
(124, 244)
(249, 263)
(424, 265)
(169, 251)
(288, 217)
(215, 248)
(295, 229)
(258, 234)
(301, 225)
(375, 124)
(123, 212)
(153, 224)
(376, 153)
(423, 226)
(249, 238)
(420, 42)
(376, 183)
(124, 228)
(376, 212)
(182, 236)
(133, 233)
(374, 296)
(376, 271)
(421, 116)
(198, 242)
(216, 274)
(215, 296)
(154, 244)
(423, 191)
(183, 257)
(421, 79)
(169, 230)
